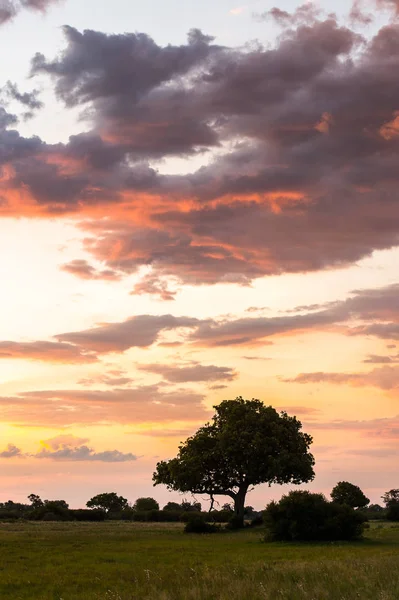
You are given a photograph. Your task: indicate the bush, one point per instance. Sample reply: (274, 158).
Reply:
(234, 522)
(303, 516)
(257, 521)
(393, 512)
(85, 514)
(220, 516)
(198, 524)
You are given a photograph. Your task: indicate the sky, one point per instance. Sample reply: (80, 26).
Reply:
(198, 201)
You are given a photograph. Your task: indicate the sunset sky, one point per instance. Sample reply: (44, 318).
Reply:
(198, 200)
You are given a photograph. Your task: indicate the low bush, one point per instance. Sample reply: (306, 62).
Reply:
(198, 524)
(392, 513)
(85, 514)
(303, 516)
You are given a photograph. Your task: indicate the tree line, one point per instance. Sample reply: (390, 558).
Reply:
(245, 444)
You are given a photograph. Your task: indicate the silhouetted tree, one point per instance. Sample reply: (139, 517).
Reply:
(246, 444)
(35, 500)
(350, 494)
(391, 500)
(109, 501)
(146, 504)
(172, 506)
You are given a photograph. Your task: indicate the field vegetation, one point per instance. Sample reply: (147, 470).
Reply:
(158, 561)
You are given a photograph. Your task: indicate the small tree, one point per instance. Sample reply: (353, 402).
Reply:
(246, 444)
(350, 494)
(146, 504)
(35, 500)
(190, 506)
(109, 501)
(391, 500)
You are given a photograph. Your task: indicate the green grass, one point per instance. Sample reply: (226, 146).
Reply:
(126, 561)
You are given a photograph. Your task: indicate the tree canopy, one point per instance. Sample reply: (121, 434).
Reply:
(350, 494)
(109, 501)
(246, 444)
(146, 504)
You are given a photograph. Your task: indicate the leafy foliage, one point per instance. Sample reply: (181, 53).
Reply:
(198, 524)
(391, 500)
(109, 501)
(246, 444)
(303, 516)
(350, 494)
(146, 504)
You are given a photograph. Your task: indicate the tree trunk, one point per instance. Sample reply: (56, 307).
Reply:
(239, 505)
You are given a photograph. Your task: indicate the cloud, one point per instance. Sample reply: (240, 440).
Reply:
(379, 360)
(381, 428)
(11, 452)
(137, 332)
(83, 270)
(384, 378)
(141, 404)
(69, 448)
(10, 8)
(194, 372)
(155, 286)
(304, 168)
(46, 351)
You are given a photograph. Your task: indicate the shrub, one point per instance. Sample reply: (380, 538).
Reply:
(220, 516)
(303, 516)
(84, 514)
(198, 524)
(234, 522)
(393, 512)
(257, 521)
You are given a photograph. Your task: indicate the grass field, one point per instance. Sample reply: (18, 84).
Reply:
(125, 561)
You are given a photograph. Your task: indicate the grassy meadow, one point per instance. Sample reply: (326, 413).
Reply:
(157, 561)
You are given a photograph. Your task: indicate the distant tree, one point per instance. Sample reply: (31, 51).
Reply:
(146, 504)
(249, 511)
(109, 501)
(190, 506)
(35, 500)
(391, 500)
(246, 444)
(172, 506)
(227, 507)
(350, 494)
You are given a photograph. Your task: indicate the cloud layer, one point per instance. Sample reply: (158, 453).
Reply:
(300, 142)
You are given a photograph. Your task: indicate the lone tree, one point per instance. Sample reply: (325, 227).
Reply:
(246, 444)
(109, 501)
(350, 494)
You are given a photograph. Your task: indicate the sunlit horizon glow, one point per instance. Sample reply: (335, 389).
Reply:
(185, 220)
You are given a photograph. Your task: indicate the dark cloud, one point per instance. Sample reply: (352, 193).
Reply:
(46, 351)
(10, 8)
(63, 408)
(304, 179)
(83, 270)
(28, 99)
(194, 372)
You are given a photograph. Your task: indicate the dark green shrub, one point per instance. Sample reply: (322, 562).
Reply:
(198, 524)
(303, 516)
(220, 516)
(392, 513)
(257, 521)
(234, 522)
(85, 514)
